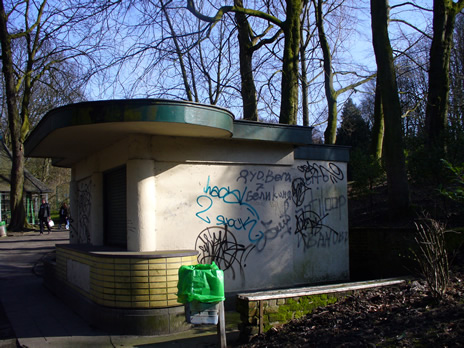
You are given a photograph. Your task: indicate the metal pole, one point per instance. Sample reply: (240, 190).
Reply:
(221, 327)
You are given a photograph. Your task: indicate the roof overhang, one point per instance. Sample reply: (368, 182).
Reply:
(73, 132)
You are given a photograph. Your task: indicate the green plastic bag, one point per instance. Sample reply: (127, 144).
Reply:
(202, 283)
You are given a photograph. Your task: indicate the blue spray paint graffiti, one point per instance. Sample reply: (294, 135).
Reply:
(214, 195)
(304, 211)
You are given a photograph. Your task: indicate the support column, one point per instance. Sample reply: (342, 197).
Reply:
(141, 203)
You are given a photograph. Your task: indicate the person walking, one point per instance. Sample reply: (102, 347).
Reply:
(63, 215)
(44, 215)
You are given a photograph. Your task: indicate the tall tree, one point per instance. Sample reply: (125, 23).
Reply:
(290, 27)
(444, 16)
(44, 30)
(331, 93)
(397, 182)
(245, 41)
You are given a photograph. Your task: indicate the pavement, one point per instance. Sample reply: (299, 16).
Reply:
(32, 317)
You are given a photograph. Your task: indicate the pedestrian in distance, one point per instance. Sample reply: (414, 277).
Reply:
(44, 216)
(63, 215)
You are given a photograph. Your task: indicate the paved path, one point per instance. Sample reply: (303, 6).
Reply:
(39, 319)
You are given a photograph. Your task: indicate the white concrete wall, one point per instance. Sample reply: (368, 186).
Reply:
(268, 220)
(266, 226)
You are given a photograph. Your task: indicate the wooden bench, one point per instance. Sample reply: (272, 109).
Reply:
(261, 310)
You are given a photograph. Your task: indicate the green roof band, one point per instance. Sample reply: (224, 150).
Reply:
(144, 110)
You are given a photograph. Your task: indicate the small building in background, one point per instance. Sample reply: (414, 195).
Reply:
(157, 184)
(34, 189)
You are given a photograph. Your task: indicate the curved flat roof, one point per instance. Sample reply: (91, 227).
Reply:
(73, 132)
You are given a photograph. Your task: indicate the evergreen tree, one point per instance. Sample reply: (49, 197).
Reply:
(354, 130)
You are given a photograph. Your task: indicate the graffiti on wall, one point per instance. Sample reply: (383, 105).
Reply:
(84, 199)
(218, 244)
(241, 211)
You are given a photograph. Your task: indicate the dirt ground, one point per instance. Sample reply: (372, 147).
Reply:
(398, 316)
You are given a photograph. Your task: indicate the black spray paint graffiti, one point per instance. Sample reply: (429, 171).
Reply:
(220, 245)
(310, 228)
(313, 233)
(315, 173)
(84, 208)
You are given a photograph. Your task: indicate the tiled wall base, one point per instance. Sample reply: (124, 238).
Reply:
(122, 292)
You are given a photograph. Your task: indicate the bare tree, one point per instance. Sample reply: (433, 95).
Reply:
(291, 28)
(397, 182)
(327, 53)
(44, 29)
(444, 16)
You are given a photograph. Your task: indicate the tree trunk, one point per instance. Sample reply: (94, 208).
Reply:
(304, 87)
(398, 188)
(378, 128)
(289, 90)
(248, 91)
(18, 214)
(444, 15)
(330, 134)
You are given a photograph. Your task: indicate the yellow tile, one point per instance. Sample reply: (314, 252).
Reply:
(121, 260)
(157, 291)
(157, 279)
(139, 274)
(161, 260)
(171, 284)
(158, 285)
(139, 298)
(106, 272)
(175, 266)
(139, 279)
(122, 298)
(139, 267)
(108, 284)
(106, 266)
(122, 285)
(121, 267)
(157, 266)
(172, 278)
(157, 272)
(174, 259)
(140, 285)
(193, 260)
(141, 292)
(122, 273)
(158, 297)
(174, 303)
(144, 304)
(172, 296)
(109, 290)
(124, 292)
(139, 262)
(109, 278)
(172, 272)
